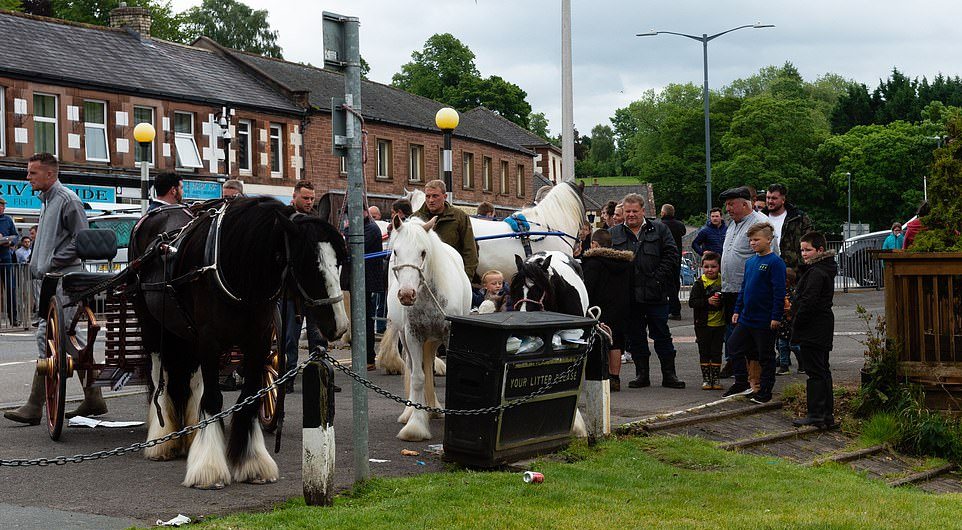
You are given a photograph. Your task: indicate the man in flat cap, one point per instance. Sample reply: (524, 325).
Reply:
(736, 250)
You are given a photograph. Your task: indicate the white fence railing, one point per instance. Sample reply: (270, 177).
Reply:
(16, 296)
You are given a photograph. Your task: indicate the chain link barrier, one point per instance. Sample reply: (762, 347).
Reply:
(250, 400)
(576, 365)
(317, 354)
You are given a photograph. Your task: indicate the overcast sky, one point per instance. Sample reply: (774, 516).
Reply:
(520, 41)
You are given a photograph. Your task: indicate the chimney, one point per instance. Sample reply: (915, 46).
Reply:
(136, 19)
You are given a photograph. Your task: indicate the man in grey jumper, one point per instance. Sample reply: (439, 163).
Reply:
(61, 218)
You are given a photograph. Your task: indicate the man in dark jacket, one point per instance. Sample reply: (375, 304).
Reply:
(814, 326)
(712, 235)
(677, 229)
(790, 224)
(656, 266)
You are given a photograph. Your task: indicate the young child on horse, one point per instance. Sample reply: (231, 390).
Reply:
(607, 274)
(706, 300)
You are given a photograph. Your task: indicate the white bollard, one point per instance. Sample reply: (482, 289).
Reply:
(318, 437)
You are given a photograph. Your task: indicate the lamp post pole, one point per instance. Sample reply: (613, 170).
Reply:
(144, 135)
(447, 120)
(704, 39)
(848, 229)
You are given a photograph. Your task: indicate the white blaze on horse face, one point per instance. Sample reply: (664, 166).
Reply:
(327, 265)
(409, 263)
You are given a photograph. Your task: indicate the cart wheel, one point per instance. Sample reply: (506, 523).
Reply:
(57, 372)
(273, 402)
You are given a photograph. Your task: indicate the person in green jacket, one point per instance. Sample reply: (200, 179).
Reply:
(453, 225)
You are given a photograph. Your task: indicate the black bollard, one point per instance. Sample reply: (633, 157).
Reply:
(318, 439)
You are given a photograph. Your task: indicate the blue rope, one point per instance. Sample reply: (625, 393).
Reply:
(386, 253)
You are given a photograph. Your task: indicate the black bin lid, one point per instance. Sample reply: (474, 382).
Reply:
(523, 320)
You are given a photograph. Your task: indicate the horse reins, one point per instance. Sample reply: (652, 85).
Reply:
(422, 281)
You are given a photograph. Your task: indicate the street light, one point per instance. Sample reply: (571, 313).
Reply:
(848, 229)
(144, 135)
(447, 120)
(704, 39)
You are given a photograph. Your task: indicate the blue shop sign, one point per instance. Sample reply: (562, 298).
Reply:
(201, 189)
(19, 194)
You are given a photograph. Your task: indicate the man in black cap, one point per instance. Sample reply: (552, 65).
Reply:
(736, 250)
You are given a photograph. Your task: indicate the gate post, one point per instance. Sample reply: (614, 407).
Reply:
(318, 435)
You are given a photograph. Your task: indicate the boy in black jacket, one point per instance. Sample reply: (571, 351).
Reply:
(705, 299)
(814, 326)
(608, 277)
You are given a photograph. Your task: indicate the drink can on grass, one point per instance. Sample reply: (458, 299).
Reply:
(533, 477)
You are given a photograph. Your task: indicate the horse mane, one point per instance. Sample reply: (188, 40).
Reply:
(251, 243)
(317, 229)
(561, 207)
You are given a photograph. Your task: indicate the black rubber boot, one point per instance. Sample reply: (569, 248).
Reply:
(668, 377)
(706, 376)
(641, 379)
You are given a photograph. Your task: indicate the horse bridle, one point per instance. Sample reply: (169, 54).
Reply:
(422, 281)
(306, 299)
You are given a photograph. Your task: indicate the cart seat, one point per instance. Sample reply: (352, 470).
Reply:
(77, 282)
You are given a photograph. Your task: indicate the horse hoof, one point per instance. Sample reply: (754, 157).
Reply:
(214, 486)
(261, 481)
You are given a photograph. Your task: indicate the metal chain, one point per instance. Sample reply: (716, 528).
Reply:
(563, 376)
(76, 459)
(314, 356)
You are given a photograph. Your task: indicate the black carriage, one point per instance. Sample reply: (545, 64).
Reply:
(70, 344)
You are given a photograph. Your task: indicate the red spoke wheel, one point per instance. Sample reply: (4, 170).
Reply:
(273, 402)
(57, 368)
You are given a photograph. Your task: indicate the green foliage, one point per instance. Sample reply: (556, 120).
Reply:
(944, 223)
(538, 124)
(165, 24)
(881, 428)
(234, 25)
(884, 398)
(887, 163)
(444, 71)
(365, 68)
(11, 5)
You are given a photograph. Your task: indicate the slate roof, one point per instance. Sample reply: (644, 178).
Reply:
(600, 195)
(378, 102)
(68, 54)
(506, 128)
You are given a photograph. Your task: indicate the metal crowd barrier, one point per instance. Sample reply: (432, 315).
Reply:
(858, 266)
(16, 296)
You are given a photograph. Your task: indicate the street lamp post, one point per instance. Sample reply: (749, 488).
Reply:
(704, 39)
(447, 120)
(848, 229)
(144, 135)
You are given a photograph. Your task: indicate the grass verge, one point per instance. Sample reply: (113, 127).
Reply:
(658, 482)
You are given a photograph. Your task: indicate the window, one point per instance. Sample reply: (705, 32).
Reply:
(416, 156)
(3, 124)
(244, 151)
(504, 178)
(277, 150)
(187, 154)
(343, 165)
(467, 174)
(486, 173)
(520, 179)
(45, 124)
(385, 165)
(95, 131)
(144, 115)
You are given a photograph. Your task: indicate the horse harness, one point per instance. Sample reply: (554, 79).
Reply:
(166, 245)
(521, 226)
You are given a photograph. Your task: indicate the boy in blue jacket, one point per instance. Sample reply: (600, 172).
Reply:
(758, 313)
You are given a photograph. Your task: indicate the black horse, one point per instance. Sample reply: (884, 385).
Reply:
(216, 286)
(540, 285)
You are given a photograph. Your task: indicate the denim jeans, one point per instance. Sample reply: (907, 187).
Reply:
(652, 319)
(785, 350)
(741, 343)
(380, 310)
(292, 335)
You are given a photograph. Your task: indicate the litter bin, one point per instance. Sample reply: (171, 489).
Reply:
(497, 358)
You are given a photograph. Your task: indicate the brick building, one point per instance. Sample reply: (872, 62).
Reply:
(78, 90)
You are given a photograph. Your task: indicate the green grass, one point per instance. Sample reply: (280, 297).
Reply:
(882, 428)
(659, 482)
(612, 181)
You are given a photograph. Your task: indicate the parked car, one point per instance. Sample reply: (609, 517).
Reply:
(689, 271)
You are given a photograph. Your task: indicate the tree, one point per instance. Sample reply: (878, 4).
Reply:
(444, 71)
(887, 163)
(234, 25)
(165, 24)
(897, 99)
(12, 5)
(365, 68)
(538, 124)
(853, 108)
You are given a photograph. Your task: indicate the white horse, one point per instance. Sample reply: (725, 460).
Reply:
(561, 210)
(426, 282)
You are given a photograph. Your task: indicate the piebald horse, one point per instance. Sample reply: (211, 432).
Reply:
(426, 282)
